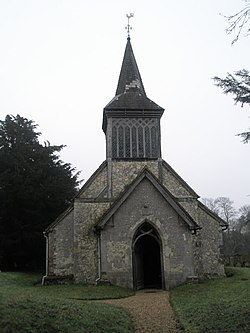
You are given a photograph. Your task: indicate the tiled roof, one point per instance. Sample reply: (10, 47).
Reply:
(132, 100)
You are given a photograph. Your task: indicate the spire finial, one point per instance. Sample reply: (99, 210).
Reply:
(128, 27)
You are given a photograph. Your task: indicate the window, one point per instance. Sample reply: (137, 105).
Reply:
(135, 137)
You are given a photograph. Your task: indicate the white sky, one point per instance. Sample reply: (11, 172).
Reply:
(59, 66)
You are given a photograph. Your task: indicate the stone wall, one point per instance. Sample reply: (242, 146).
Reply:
(124, 172)
(174, 183)
(85, 240)
(61, 247)
(73, 244)
(146, 203)
(211, 246)
(72, 241)
(96, 185)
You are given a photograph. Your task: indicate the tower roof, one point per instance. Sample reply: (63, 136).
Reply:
(130, 93)
(130, 97)
(130, 78)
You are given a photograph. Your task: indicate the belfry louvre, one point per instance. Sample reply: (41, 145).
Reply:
(135, 138)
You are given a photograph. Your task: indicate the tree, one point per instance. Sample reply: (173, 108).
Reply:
(223, 207)
(236, 242)
(35, 187)
(244, 219)
(211, 204)
(226, 209)
(239, 86)
(238, 22)
(239, 83)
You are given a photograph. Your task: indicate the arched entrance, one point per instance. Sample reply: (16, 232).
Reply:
(147, 258)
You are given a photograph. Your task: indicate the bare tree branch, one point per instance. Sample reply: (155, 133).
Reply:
(238, 22)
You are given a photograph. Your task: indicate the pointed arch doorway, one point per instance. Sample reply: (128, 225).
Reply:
(147, 258)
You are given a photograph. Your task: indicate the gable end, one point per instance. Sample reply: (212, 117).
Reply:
(192, 225)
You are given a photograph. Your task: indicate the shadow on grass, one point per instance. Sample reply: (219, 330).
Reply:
(48, 309)
(215, 306)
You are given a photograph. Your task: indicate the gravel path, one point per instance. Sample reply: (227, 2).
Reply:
(150, 310)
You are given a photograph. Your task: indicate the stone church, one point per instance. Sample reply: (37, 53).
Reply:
(135, 223)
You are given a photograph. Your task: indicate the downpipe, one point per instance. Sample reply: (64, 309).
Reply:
(98, 257)
(47, 257)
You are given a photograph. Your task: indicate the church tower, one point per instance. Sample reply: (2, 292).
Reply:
(131, 121)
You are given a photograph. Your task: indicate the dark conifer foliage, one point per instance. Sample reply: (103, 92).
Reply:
(35, 187)
(237, 84)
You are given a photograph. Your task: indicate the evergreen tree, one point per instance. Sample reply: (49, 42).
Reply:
(239, 86)
(35, 187)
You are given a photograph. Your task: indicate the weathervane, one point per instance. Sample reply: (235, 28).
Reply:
(128, 27)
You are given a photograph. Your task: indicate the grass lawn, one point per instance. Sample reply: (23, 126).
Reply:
(26, 307)
(215, 306)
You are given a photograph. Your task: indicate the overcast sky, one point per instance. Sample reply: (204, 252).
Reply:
(60, 62)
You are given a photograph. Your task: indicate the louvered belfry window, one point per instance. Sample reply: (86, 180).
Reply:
(135, 138)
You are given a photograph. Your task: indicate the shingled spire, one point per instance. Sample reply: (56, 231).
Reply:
(130, 78)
